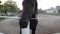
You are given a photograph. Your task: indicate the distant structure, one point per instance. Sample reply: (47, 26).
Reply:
(58, 8)
(52, 10)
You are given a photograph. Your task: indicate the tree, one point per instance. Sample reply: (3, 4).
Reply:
(0, 1)
(40, 11)
(10, 6)
(1, 7)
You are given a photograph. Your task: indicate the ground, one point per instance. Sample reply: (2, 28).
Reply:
(47, 24)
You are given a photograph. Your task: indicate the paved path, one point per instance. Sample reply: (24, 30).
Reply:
(47, 24)
(9, 26)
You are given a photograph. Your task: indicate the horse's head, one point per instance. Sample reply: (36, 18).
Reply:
(29, 6)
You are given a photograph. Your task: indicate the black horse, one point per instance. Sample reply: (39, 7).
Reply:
(29, 12)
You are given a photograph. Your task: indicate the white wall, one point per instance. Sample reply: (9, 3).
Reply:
(52, 11)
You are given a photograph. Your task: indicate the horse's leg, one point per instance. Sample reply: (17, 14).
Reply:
(24, 23)
(20, 30)
(33, 24)
(25, 30)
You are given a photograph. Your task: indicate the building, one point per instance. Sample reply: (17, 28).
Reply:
(52, 10)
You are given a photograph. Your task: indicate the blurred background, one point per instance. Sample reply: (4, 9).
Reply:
(48, 16)
(8, 8)
(12, 7)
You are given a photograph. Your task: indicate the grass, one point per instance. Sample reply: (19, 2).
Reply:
(2, 19)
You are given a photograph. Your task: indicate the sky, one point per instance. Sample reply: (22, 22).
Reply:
(43, 4)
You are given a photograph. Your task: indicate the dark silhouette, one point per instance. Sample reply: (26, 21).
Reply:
(29, 12)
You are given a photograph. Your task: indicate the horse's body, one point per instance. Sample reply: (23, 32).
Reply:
(29, 11)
